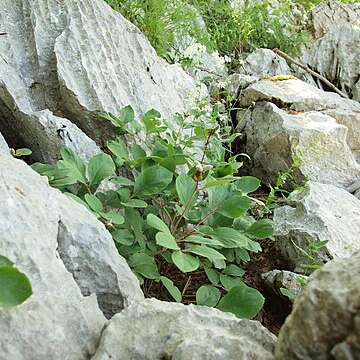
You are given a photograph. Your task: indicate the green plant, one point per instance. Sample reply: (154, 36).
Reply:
(20, 152)
(15, 287)
(181, 209)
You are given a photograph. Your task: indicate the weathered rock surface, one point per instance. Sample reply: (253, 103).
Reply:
(295, 95)
(72, 264)
(336, 57)
(325, 321)
(274, 137)
(265, 63)
(73, 59)
(161, 330)
(3, 145)
(276, 279)
(329, 15)
(320, 212)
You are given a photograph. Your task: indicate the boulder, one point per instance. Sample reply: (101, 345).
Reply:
(3, 145)
(235, 83)
(75, 271)
(336, 57)
(277, 279)
(275, 136)
(160, 330)
(74, 59)
(317, 213)
(325, 320)
(329, 15)
(295, 95)
(265, 63)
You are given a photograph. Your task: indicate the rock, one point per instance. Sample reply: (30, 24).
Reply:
(175, 331)
(276, 279)
(235, 83)
(336, 57)
(274, 137)
(3, 145)
(295, 95)
(330, 15)
(325, 321)
(72, 264)
(265, 63)
(73, 59)
(320, 212)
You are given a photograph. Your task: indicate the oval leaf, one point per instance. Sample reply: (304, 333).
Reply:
(206, 252)
(15, 287)
(100, 167)
(243, 301)
(152, 180)
(248, 184)
(94, 203)
(166, 240)
(157, 223)
(208, 295)
(261, 229)
(185, 262)
(171, 288)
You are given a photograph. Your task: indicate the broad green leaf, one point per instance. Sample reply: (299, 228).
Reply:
(235, 206)
(100, 167)
(243, 223)
(166, 240)
(243, 301)
(248, 184)
(152, 180)
(261, 229)
(289, 294)
(123, 237)
(241, 255)
(144, 265)
(73, 162)
(157, 223)
(122, 181)
(135, 203)
(203, 240)
(185, 262)
(124, 194)
(212, 275)
(186, 189)
(171, 288)
(113, 217)
(230, 281)
(94, 203)
(253, 246)
(229, 238)
(217, 182)
(206, 252)
(217, 195)
(127, 114)
(134, 219)
(23, 152)
(137, 152)
(208, 295)
(15, 287)
(219, 264)
(119, 148)
(4, 261)
(77, 199)
(234, 270)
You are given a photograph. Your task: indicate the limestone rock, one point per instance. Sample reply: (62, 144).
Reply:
(73, 59)
(3, 145)
(295, 95)
(160, 330)
(329, 15)
(320, 212)
(72, 264)
(235, 83)
(276, 279)
(336, 57)
(325, 321)
(265, 63)
(274, 137)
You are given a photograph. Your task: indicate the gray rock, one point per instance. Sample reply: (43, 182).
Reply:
(74, 59)
(325, 321)
(329, 15)
(235, 83)
(72, 264)
(161, 330)
(276, 279)
(265, 63)
(3, 145)
(336, 57)
(295, 95)
(274, 137)
(320, 212)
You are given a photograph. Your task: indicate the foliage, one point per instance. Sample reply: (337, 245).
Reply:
(15, 287)
(183, 207)
(20, 152)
